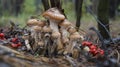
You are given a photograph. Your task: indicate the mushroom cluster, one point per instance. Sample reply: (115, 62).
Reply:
(56, 36)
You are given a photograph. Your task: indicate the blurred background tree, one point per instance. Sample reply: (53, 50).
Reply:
(11, 7)
(20, 10)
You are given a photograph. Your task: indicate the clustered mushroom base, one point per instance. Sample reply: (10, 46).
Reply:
(56, 37)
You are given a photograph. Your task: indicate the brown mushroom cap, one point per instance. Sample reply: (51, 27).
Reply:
(41, 43)
(65, 23)
(75, 36)
(34, 22)
(41, 23)
(46, 29)
(37, 28)
(65, 40)
(54, 14)
(71, 30)
(56, 34)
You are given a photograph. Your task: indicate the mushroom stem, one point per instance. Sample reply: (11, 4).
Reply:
(54, 26)
(64, 35)
(27, 44)
(47, 39)
(74, 43)
(47, 45)
(37, 35)
(32, 31)
(64, 32)
(59, 44)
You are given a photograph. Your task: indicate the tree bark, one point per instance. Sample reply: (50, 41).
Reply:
(103, 16)
(56, 3)
(95, 5)
(46, 4)
(112, 8)
(78, 9)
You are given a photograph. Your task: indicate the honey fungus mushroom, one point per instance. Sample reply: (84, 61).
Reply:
(71, 30)
(31, 23)
(75, 38)
(35, 27)
(63, 28)
(55, 17)
(47, 38)
(27, 43)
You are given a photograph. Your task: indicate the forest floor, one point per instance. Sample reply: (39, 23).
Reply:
(10, 57)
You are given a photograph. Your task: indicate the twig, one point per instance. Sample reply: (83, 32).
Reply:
(118, 58)
(9, 50)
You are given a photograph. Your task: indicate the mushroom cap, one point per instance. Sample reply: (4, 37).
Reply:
(86, 48)
(34, 22)
(56, 34)
(71, 30)
(54, 14)
(75, 36)
(65, 23)
(41, 23)
(46, 29)
(41, 43)
(65, 40)
(37, 28)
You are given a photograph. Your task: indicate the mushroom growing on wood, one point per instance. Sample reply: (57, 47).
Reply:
(37, 35)
(35, 26)
(47, 44)
(55, 17)
(56, 36)
(34, 22)
(27, 44)
(75, 38)
(31, 23)
(63, 28)
(71, 30)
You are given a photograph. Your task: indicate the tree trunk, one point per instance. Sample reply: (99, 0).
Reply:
(56, 3)
(46, 4)
(52, 2)
(112, 8)
(95, 5)
(103, 16)
(78, 9)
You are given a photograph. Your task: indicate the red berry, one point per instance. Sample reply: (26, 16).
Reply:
(93, 47)
(14, 40)
(19, 44)
(93, 52)
(14, 45)
(2, 36)
(86, 43)
(101, 52)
